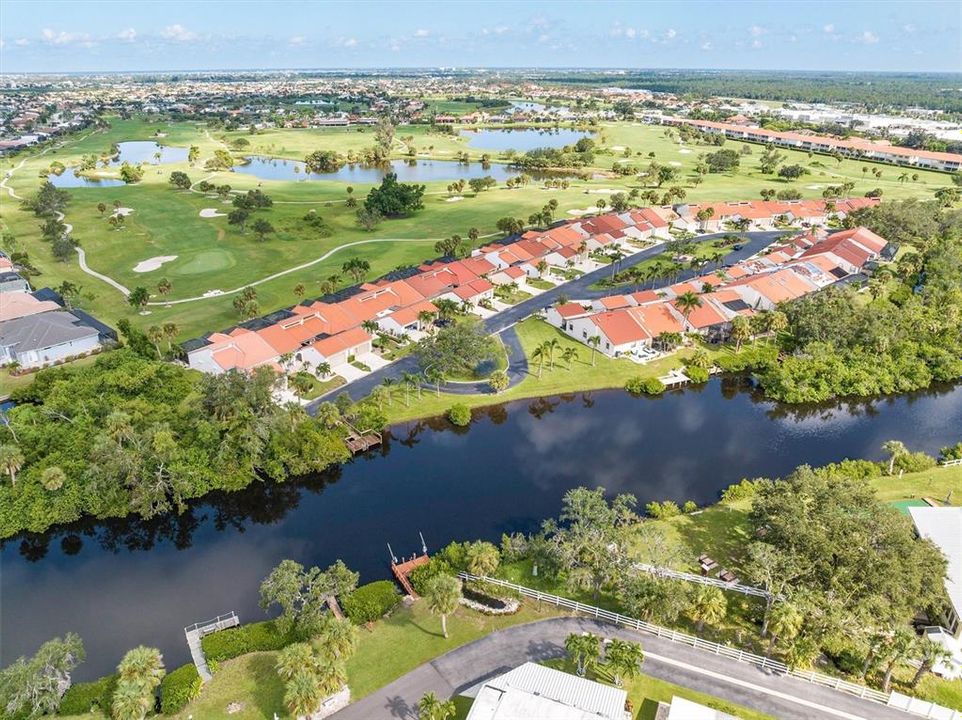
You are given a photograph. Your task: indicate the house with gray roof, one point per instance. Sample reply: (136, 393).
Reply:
(45, 339)
(12, 282)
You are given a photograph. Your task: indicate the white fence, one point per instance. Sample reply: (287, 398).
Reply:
(702, 580)
(915, 707)
(950, 463)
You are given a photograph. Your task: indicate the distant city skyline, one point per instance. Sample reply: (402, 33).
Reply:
(89, 36)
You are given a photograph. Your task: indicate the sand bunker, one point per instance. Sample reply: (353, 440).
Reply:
(211, 213)
(618, 148)
(585, 211)
(123, 211)
(456, 198)
(601, 191)
(813, 187)
(685, 151)
(675, 163)
(153, 263)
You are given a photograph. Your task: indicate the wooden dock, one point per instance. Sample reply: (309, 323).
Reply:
(197, 631)
(402, 570)
(362, 442)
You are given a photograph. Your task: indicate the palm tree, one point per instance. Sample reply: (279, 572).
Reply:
(569, 354)
(593, 343)
(171, 331)
(303, 694)
(708, 605)
(584, 650)
(623, 659)
(894, 448)
(410, 380)
(53, 478)
(784, 623)
(930, 655)
(539, 354)
(164, 287)
(301, 383)
(143, 665)
(328, 415)
(336, 639)
(740, 332)
(430, 707)
(426, 319)
(443, 594)
(483, 558)
(435, 377)
(550, 346)
(155, 335)
(299, 290)
(295, 659)
(370, 326)
(323, 370)
(687, 303)
(129, 702)
(899, 648)
(11, 460)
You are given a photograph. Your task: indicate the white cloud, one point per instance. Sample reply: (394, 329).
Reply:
(54, 37)
(178, 33)
(868, 38)
(128, 35)
(422, 33)
(829, 29)
(756, 43)
(630, 33)
(756, 31)
(707, 45)
(22, 42)
(350, 42)
(671, 34)
(296, 40)
(910, 28)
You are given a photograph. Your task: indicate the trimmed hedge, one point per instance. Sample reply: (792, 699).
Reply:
(696, 374)
(233, 642)
(646, 386)
(371, 602)
(459, 415)
(81, 698)
(178, 688)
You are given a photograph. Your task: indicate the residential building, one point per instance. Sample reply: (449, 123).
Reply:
(47, 338)
(536, 692)
(943, 526)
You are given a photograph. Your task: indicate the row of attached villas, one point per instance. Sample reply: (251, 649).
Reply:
(36, 328)
(335, 330)
(849, 147)
(631, 323)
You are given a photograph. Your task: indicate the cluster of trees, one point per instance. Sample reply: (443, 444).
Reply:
(622, 659)
(455, 349)
(393, 199)
(131, 173)
(908, 336)
(827, 594)
(130, 435)
(323, 161)
(244, 206)
(49, 204)
(31, 687)
(180, 180)
(581, 154)
(221, 160)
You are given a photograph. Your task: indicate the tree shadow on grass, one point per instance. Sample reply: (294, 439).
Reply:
(722, 532)
(268, 692)
(436, 633)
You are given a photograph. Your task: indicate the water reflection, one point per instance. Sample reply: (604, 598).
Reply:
(133, 581)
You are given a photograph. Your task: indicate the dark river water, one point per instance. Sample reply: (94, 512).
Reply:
(123, 583)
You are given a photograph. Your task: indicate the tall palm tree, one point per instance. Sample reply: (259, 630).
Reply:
(550, 346)
(11, 460)
(930, 654)
(295, 659)
(443, 594)
(323, 370)
(336, 639)
(784, 624)
(370, 326)
(593, 343)
(144, 665)
(623, 660)
(483, 558)
(412, 381)
(898, 650)
(569, 354)
(539, 354)
(687, 303)
(426, 319)
(171, 331)
(894, 448)
(708, 605)
(129, 702)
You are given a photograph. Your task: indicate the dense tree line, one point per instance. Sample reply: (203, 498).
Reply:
(907, 336)
(581, 154)
(874, 91)
(129, 435)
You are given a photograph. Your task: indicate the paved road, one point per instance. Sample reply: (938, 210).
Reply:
(576, 289)
(451, 674)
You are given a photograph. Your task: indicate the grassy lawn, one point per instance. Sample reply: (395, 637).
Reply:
(581, 375)
(391, 648)
(9, 383)
(319, 387)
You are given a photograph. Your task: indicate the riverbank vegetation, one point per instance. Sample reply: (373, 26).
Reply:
(130, 435)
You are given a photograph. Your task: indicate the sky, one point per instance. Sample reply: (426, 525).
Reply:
(130, 35)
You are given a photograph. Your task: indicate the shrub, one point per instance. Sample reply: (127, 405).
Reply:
(178, 688)
(689, 507)
(230, 643)
(914, 462)
(459, 415)
(81, 698)
(742, 490)
(662, 511)
(853, 469)
(698, 375)
(645, 386)
(370, 602)
(422, 575)
(951, 452)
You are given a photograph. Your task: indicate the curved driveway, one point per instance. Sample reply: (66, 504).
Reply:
(578, 288)
(451, 674)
